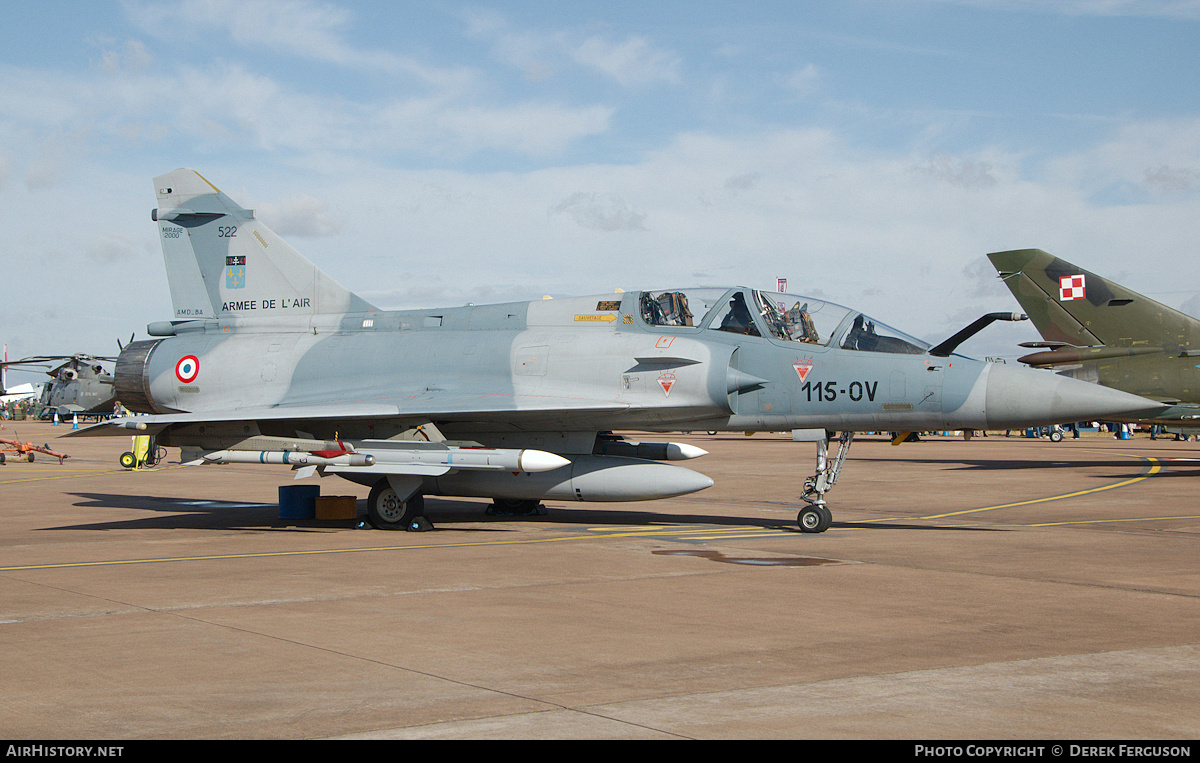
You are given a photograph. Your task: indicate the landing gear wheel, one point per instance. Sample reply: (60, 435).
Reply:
(386, 511)
(128, 460)
(814, 519)
(1056, 436)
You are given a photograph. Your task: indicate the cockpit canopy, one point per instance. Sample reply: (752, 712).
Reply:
(786, 317)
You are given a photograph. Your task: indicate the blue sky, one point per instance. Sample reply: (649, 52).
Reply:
(437, 153)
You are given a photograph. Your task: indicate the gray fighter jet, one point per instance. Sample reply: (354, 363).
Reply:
(268, 360)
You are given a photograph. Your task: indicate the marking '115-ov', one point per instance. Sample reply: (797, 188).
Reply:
(828, 392)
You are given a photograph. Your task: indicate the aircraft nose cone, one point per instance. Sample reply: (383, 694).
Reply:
(1018, 397)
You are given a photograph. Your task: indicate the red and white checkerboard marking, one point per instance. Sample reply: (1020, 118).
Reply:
(1071, 287)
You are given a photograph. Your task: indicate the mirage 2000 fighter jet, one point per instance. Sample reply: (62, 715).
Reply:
(268, 360)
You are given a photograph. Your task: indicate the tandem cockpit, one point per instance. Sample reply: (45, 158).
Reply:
(776, 315)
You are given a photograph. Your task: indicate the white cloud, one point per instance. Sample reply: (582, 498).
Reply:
(528, 128)
(134, 56)
(298, 28)
(50, 162)
(114, 248)
(804, 81)
(301, 215)
(631, 62)
(1156, 155)
(228, 106)
(742, 182)
(532, 53)
(960, 171)
(600, 211)
(1170, 179)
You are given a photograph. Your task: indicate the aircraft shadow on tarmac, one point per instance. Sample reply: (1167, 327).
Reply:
(203, 514)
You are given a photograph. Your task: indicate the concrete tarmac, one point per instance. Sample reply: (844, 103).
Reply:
(1001, 588)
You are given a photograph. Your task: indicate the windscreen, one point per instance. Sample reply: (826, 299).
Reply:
(814, 321)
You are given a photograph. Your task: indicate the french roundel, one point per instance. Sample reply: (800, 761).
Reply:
(187, 369)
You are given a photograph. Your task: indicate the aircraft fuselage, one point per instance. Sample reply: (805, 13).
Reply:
(557, 365)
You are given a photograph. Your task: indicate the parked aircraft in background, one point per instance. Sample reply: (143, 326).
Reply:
(80, 385)
(19, 392)
(16, 393)
(1099, 331)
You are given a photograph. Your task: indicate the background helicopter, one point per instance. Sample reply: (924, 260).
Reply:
(80, 385)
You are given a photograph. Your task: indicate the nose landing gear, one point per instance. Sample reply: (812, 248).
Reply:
(816, 518)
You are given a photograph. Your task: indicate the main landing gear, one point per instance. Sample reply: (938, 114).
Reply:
(394, 504)
(816, 518)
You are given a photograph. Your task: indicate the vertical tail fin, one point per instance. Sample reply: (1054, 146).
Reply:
(1072, 305)
(221, 261)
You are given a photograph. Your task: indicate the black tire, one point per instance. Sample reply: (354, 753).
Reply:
(386, 511)
(828, 517)
(128, 460)
(1056, 436)
(814, 519)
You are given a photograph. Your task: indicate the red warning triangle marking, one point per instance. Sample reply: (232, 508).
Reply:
(666, 381)
(803, 367)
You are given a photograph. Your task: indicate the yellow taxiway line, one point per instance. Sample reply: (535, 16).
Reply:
(62, 474)
(1155, 468)
(1104, 521)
